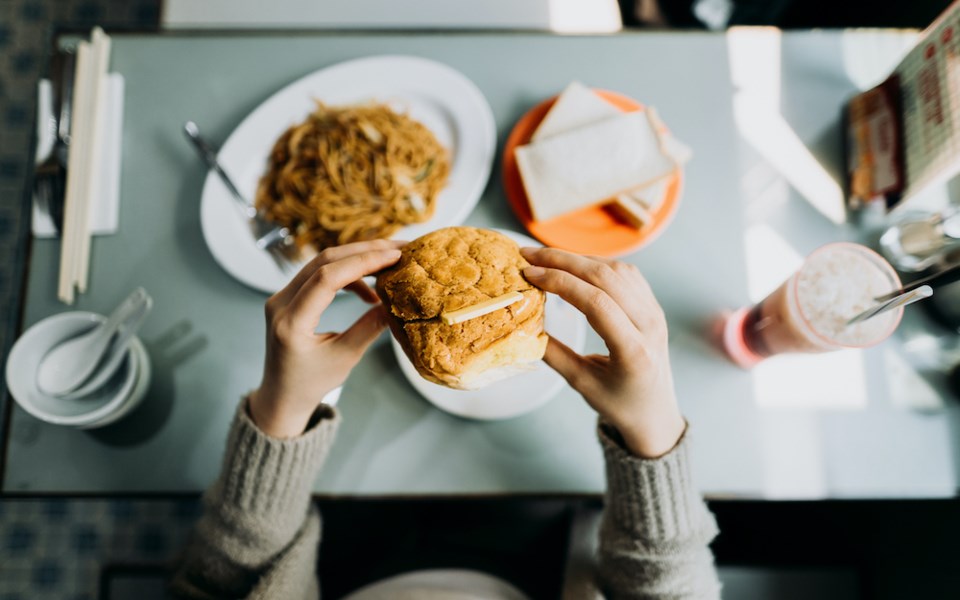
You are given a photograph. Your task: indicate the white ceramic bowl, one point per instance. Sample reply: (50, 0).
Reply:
(88, 411)
(139, 392)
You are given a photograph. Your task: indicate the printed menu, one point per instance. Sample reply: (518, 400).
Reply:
(904, 135)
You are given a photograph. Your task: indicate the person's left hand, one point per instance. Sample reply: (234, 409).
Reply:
(631, 387)
(302, 366)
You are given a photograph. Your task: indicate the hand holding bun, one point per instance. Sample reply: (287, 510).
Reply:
(632, 388)
(301, 365)
(447, 271)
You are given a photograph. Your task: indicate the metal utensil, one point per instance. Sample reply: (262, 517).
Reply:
(903, 299)
(64, 123)
(75, 362)
(275, 239)
(920, 240)
(50, 176)
(940, 279)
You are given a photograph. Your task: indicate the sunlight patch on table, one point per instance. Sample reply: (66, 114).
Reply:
(869, 57)
(907, 388)
(830, 381)
(770, 260)
(793, 460)
(755, 71)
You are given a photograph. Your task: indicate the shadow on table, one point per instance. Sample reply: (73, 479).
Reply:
(788, 111)
(189, 234)
(387, 410)
(169, 350)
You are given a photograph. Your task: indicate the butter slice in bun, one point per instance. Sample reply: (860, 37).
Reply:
(461, 309)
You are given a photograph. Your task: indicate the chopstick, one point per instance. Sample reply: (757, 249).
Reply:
(83, 157)
(945, 277)
(75, 173)
(100, 59)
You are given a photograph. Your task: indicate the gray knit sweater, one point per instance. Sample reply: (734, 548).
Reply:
(259, 534)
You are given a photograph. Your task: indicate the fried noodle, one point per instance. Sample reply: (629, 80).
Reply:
(352, 173)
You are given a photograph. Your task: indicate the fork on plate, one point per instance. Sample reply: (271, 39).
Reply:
(269, 236)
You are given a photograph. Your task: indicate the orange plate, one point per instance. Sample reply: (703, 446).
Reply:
(591, 230)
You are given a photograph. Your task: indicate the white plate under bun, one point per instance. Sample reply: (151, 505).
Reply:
(441, 98)
(517, 395)
(85, 412)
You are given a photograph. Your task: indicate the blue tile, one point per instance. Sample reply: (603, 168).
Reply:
(17, 116)
(152, 542)
(56, 510)
(89, 12)
(34, 11)
(24, 62)
(122, 509)
(46, 574)
(12, 596)
(85, 540)
(148, 14)
(4, 35)
(6, 226)
(19, 538)
(187, 511)
(9, 169)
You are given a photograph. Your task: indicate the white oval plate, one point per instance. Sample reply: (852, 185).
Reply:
(516, 395)
(448, 103)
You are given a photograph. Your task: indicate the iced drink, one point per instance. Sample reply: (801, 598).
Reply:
(810, 310)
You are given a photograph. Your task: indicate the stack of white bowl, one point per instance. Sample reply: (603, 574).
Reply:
(119, 395)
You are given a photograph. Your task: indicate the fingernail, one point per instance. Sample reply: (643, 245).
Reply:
(527, 250)
(534, 272)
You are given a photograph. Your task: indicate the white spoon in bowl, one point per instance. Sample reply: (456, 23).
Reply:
(79, 361)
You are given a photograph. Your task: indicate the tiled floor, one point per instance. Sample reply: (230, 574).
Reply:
(58, 549)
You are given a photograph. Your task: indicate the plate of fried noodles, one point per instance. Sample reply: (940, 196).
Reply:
(378, 147)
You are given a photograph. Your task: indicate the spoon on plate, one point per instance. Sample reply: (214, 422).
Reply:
(81, 364)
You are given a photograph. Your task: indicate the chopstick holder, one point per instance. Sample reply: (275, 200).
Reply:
(84, 158)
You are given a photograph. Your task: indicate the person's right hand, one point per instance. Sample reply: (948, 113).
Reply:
(632, 387)
(301, 365)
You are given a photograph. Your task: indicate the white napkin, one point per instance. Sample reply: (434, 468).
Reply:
(105, 210)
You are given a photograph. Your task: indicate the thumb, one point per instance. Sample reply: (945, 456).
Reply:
(566, 362)
(361, 334)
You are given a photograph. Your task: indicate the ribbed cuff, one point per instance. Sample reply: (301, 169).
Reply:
(655, 499)
(263, 492)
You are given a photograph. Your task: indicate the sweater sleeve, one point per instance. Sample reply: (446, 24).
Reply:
(656, 529)
(259, 533)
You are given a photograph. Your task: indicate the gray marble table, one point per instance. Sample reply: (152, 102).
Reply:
(879, 427)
